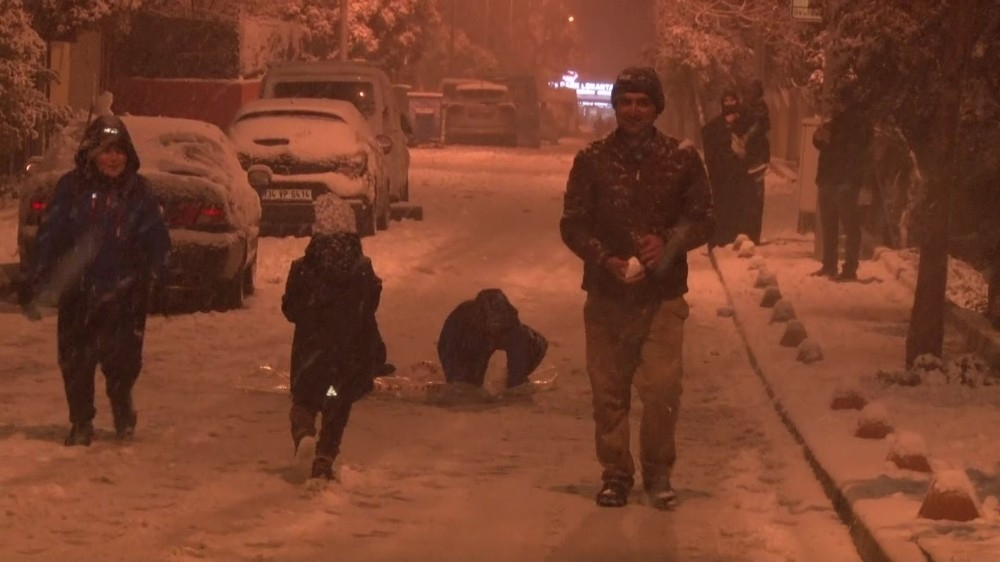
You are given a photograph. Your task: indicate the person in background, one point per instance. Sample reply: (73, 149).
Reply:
(476, 329)
(758, 157)
(331, 296)
(102, 246)
(636, 202)
(736, 160)
(844, 143)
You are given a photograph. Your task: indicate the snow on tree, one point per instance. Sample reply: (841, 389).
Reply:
(61, 19)
(908, 64)
(706, 46)
(22, 56)
(392, 32)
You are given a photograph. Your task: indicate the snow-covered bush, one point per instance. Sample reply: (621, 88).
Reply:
(967, 370)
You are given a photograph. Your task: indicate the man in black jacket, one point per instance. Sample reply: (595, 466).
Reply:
(844, 143)
(636, 202)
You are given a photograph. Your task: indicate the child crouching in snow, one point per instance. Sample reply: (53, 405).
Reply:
(331, 296)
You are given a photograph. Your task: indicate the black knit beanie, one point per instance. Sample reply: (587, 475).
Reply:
(639, 80)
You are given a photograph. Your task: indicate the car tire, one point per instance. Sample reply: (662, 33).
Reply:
(367, 221)
(231, 295)
(384, 218)
(249, 281)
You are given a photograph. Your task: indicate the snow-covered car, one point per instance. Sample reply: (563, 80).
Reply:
(480, 112)
(210, 209)
(313, 147)
(361, 83)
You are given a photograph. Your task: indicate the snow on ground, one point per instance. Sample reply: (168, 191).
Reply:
(861, 328)
(210, 476)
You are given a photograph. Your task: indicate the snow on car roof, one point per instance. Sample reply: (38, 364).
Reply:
(345, 110)
(171, 147)
(309, 130)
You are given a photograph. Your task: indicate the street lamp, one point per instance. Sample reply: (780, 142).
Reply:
(571, 19)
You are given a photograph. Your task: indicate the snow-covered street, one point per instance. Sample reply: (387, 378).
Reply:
(498, 478)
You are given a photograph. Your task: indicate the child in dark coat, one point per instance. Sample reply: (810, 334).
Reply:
(479, 327)
(331, 296)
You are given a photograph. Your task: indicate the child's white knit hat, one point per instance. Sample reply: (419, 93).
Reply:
(333, 215)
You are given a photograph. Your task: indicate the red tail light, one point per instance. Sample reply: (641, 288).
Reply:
(35, 212)
(195, 215)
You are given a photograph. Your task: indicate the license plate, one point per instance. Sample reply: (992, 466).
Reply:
(288, 194)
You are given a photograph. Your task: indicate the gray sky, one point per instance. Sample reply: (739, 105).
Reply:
(614, 33)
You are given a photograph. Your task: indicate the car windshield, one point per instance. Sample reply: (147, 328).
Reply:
(482, 96)
(361, 94)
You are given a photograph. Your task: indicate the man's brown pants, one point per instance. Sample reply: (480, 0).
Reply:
(640, 343)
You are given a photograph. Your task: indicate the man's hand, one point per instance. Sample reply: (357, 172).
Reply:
(651, 250)
(617, 266)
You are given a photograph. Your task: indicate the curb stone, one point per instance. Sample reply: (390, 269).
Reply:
(864, 539)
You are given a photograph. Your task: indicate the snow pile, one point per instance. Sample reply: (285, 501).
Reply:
(783, 311)
(795, 334)
(848, 396)
(809, 351)
(909, 451)
(873, 421)
(951, 497)
(967, 287)
(966, 370)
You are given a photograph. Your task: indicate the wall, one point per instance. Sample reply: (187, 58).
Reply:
(214, 101)
(79, 68)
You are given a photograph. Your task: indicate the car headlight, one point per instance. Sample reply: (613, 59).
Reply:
(356, 165)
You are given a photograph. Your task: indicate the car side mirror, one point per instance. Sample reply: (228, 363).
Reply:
(385, 143)
(32, 164)
(259, 176)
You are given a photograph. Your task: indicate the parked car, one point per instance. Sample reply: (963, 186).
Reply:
(364, 85)
(312, 147)
(481, 112)
(212, 212)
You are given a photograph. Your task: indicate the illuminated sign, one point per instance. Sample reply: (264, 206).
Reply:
(585, 91)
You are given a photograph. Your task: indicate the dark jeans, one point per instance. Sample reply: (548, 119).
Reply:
(336, 411)
(839, 205)
(110, 335)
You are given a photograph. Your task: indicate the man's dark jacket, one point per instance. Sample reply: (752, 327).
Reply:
(616, 194)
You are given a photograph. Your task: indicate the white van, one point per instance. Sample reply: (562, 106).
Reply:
(364, 85)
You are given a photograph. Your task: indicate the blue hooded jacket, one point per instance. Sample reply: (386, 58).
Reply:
(101, 235)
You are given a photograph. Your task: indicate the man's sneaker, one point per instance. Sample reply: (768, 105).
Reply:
(322, 468)
(663, 497)
(613, 494)
(825, 272)
(80, 434)
(125, 425)
(847, 276)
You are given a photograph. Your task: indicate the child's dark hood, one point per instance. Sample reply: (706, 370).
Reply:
(103, 131)
(497, 312)
(335, 257)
